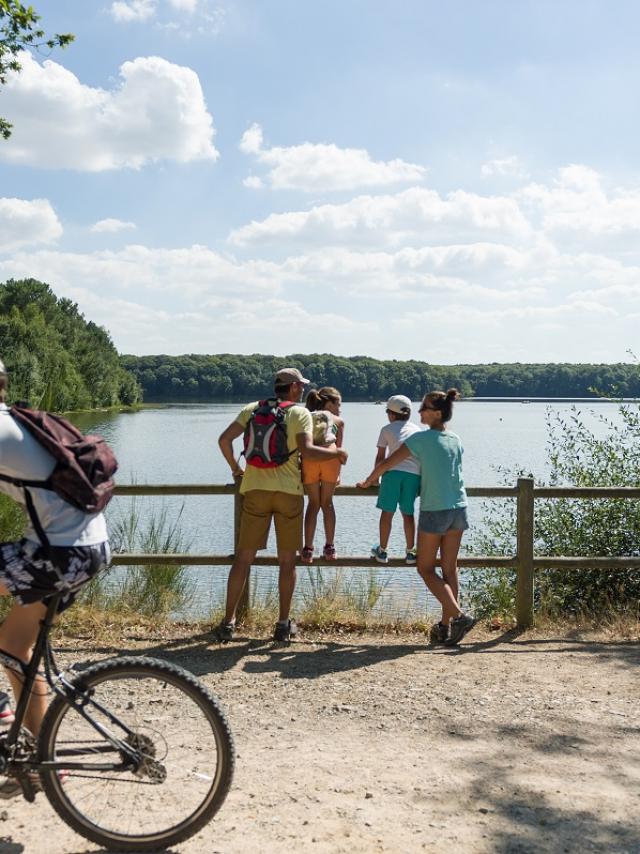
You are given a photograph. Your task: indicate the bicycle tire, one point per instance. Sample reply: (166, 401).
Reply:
(199, 717)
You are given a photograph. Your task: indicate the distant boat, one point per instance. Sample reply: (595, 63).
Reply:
(378, 402)
(525, 401)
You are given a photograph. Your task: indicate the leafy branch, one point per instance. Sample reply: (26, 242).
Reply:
(19, 30)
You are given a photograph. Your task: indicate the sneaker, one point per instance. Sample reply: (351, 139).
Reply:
(6, 712)
(329, 552)
(12, 788)
(284, 632)
(224, 632)
(379, 554)
(459, 628)
(439, 633)
(411, 557)
(306, 555)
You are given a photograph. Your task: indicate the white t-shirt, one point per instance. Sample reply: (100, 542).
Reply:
(392, 436)
(22, 456)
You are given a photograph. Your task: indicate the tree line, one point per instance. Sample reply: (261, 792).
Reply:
(56, 359)
(233, 377)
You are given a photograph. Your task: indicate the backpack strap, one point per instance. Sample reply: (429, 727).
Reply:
(22, 483)
(28, 500)
(36, 521)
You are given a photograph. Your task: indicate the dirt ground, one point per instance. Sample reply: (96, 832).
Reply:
(510, 743)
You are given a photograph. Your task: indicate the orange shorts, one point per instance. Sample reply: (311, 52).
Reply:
(324, 471)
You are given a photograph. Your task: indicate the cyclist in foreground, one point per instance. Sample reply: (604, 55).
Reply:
(75, 548)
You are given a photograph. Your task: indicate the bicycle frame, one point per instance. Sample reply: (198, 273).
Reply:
(75, 697)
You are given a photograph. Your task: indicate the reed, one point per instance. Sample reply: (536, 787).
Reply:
(158, 590)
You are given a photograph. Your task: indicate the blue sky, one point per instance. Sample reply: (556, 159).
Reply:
(455, 182)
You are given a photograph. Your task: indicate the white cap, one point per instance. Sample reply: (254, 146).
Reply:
(399, 404)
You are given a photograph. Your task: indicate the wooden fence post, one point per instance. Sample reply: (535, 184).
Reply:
(524, 588)
(243, 605)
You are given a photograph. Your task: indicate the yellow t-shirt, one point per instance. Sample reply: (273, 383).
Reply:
(284, 478)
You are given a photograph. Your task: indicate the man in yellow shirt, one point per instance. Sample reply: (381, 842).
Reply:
(272, 492)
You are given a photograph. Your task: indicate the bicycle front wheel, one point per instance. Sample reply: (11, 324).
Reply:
(181, 739)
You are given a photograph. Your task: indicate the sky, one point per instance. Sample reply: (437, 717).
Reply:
(451, 182)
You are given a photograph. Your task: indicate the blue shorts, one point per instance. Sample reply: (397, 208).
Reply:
(398, 488)
(441, 521)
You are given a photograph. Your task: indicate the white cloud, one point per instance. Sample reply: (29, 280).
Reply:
(126, 11)
(157, 112)
(192, 272)
(416, 274)
(188, 6)
(253, 182)
(24, 223)
(504, 167)
(315, 167)
(578, 202)
(182, 18)
(251, 141)
(111, 226)
(414, 214)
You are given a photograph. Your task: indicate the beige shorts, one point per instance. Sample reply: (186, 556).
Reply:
(259, 506)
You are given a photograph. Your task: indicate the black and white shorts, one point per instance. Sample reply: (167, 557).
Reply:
(32, 574)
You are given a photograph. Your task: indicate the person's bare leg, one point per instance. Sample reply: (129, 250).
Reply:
(237, 579)
(409, 523)
(286, 582)
(311, 516)
(18, 634)
(449, 549)
(428, 545)
(386, 518)
(328, 510)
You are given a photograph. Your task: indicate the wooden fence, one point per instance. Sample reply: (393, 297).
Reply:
(524, 559)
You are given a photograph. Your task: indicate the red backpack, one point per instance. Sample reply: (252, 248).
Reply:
(265, 436)
(85, 465)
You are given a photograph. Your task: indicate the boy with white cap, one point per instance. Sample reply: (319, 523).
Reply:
(400, 486)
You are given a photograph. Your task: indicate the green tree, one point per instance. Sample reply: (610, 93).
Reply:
(57, 359)
(19, 30)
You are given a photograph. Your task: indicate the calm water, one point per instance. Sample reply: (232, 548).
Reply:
(178, 444)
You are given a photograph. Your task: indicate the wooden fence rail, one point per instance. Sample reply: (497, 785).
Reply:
(524, 560)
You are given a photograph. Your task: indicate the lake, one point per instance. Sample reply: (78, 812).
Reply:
(178, 444)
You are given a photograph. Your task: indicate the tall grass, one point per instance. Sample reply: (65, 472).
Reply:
(336, 598)
(152, 590)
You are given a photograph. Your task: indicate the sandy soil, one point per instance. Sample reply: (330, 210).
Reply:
(511, 743)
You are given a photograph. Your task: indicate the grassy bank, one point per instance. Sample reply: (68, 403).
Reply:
(120, 629)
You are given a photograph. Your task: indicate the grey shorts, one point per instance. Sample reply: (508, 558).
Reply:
(32, 574)
(441, 521)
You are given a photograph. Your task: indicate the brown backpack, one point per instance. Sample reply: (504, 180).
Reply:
(85, 465)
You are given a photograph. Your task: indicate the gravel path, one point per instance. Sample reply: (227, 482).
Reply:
(511, 743)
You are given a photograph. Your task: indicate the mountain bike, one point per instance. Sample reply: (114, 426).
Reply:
(134, 753)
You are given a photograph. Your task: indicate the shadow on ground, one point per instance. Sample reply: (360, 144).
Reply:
(311, 658)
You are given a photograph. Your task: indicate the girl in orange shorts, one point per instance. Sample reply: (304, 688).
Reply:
(321, 478)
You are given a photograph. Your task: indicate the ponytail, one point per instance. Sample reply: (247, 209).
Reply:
(316, 399)
(443, 402)
(313, 400)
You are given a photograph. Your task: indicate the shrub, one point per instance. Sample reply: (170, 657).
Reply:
(572, 527)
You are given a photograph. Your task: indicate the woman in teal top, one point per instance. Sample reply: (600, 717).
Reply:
(443, 509)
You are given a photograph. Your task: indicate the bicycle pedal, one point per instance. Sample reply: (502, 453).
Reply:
(29, 789)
